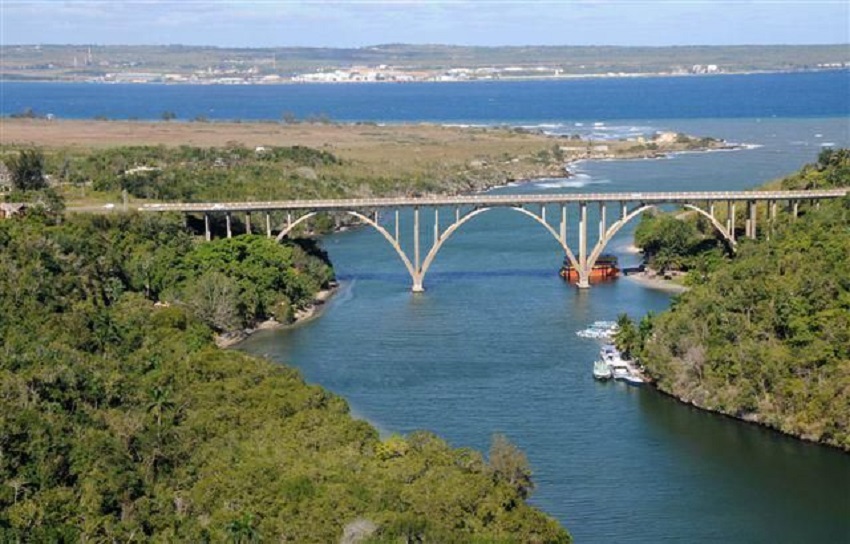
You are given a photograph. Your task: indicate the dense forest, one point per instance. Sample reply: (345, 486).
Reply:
(766, 335)
(121, 421)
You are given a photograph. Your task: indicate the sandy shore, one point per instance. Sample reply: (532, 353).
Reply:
(302, 316)
(653, 281)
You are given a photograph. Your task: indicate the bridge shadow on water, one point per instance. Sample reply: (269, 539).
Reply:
(437, 278)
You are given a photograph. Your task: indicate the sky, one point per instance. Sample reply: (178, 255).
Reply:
(359, 23)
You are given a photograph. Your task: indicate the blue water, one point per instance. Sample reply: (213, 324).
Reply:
(814, 94)
(491, 345)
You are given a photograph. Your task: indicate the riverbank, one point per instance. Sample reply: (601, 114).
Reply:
(301, 316)
(764, 338)
(652, 280)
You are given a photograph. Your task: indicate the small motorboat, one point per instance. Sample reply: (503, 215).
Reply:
(601, 370)
(619, 371)
(633, 379)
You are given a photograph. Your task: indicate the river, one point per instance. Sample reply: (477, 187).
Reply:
(491, 345)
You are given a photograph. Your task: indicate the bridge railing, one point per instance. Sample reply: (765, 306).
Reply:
(494, 200)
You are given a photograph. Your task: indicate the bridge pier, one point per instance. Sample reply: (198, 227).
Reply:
(247, 222)
(729, 219)
(752, 215)
(268, 225)
(417, 268)
(417, 286)
(229, 229)
(207, 233)
(583, 272)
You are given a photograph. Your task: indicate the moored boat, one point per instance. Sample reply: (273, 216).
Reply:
(601, 370)
(619, 371)
(612, 365)
(600, 330)
(604, 268)
(633, 379)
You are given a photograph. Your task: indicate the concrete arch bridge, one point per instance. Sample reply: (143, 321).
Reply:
(615, 210)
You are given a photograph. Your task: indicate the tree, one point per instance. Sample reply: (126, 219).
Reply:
(510, 465)
(27, 170)
(242, 530)
(214, 298)
(627, 337)
(160, 402)
(666, 241)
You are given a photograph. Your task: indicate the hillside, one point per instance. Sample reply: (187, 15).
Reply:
(120, 421)
(766, 337)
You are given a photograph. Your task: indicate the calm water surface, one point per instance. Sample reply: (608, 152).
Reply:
(491, 346)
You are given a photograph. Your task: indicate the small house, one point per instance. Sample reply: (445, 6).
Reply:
(11, 209)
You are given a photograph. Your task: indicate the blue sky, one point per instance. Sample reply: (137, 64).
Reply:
(356, 23)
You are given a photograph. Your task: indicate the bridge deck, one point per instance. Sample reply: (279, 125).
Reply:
(493, 200)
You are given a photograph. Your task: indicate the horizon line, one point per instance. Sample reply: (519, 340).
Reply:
(401, 44)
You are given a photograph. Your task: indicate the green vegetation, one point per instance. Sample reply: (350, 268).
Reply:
(630, 339)
(27, 170)
(191, 173)
(230, 283)
(29, 185)
(120, 421)
(766, 338)
(832, 169)
(228, 173)
(682, 244)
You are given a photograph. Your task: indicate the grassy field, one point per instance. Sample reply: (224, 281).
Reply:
(90, 160)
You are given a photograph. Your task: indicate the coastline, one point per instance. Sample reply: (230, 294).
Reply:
(750, 419)
(653, 281)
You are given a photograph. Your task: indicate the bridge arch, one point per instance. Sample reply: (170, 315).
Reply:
(727, 235)
(418, 270)
(445, 235)
(562, 241)
(611, 231)
(442, 238)
(284, 232)
(394, 243)
(619, 224)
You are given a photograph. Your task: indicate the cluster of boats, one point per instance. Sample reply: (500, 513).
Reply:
(599, 330)
(611, 365)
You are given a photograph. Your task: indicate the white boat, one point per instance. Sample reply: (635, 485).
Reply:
(619, 371)
(602, 330)
(611, 355)
(601, 370)
(633, 379)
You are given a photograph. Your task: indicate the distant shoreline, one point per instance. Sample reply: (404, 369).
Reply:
(5, 78)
